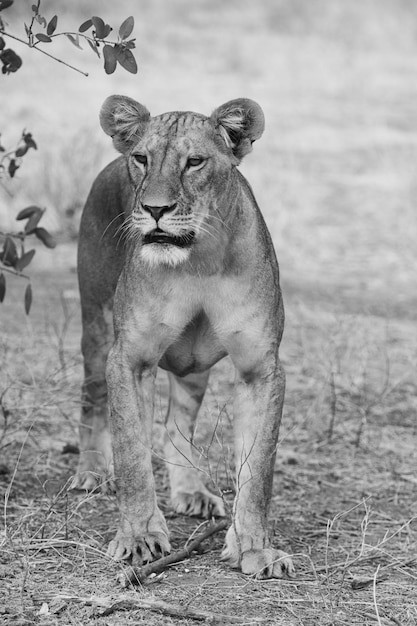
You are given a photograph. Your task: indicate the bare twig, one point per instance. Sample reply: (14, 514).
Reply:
(108, 606)
(13, 272)
(364, 582)
(333, 407)
(374, 596)
(136, 575)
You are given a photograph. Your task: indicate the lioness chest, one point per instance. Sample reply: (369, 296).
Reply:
(196, 349)
(197, 316)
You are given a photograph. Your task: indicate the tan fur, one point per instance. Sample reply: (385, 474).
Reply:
(172, 232)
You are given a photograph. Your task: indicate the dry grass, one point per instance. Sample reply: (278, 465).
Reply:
(335, 176)
(344, 483)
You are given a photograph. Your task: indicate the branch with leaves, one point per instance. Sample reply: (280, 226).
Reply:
(42, 31)
(14, 258)
(114, 52)
(11, 160)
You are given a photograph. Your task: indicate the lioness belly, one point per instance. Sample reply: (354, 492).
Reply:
(196, 350)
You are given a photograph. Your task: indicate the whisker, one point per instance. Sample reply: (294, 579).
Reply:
(207, 218)
(133, 234)
(203, 225)
(123, 226)
(202, 229)
(124, 230)
(110, 223)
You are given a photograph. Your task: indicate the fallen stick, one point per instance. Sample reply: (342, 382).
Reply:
(107, 606)
(136, 575)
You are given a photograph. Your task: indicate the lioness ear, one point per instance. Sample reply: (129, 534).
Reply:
(124, 120)
(240, 122)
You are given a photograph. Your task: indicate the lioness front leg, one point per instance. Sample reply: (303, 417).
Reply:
(188, 493)
(142, 534)
(257, 414)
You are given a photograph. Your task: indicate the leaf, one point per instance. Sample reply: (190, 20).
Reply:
(43, 38)
(99, 25)
(85, 26)
(51, 28)
(127, 60)
(129, 45)
(126, 27)
(28, 298)
(41, 20)
(110, 59)
(28, 212)
(34, 8)
(74, 40)
(22, 151)
(5, 4)
(2, 287)
(9, 255)
(24, 260)
(45, 237)
(94, 47)
(2, 43)
(13, 167)
(33, 222)
(11, 61)
(29, 141)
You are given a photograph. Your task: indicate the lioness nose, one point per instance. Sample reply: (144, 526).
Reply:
(158, 211)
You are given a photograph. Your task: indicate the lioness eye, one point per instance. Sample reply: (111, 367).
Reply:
(140, 158)
(194, 161)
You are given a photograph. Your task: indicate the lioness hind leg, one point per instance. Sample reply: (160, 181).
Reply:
(188, 493)
(95, 466)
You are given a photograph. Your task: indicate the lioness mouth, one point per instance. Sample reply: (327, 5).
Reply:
(160, 236)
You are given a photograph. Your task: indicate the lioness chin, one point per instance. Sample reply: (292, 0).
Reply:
(173, 241)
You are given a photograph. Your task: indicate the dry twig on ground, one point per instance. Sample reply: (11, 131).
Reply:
(136, 575)
(107, 606)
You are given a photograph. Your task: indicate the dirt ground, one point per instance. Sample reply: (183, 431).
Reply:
(344, 499)
(335, 175)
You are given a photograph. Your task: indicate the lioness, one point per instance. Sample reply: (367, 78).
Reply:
(195, 278)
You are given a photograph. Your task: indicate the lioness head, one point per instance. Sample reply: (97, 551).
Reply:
(180, 164)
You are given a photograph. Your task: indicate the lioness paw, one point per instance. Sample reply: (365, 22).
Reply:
(267, 563)
(92, 481)
(199, 504)
(138, 550)
(94, 472)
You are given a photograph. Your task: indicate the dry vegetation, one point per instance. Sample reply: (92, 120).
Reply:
(336, 177)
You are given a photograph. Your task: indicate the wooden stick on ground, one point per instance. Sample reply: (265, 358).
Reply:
(107, 606)
(136, 575)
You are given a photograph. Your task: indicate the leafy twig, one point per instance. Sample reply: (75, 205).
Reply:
(114, 52)
(34, 47)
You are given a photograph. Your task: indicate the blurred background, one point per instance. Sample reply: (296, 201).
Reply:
(334, 173)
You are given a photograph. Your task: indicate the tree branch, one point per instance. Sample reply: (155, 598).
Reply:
(136, 575)
(107, 606)
(51, 56)
(13, 272)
